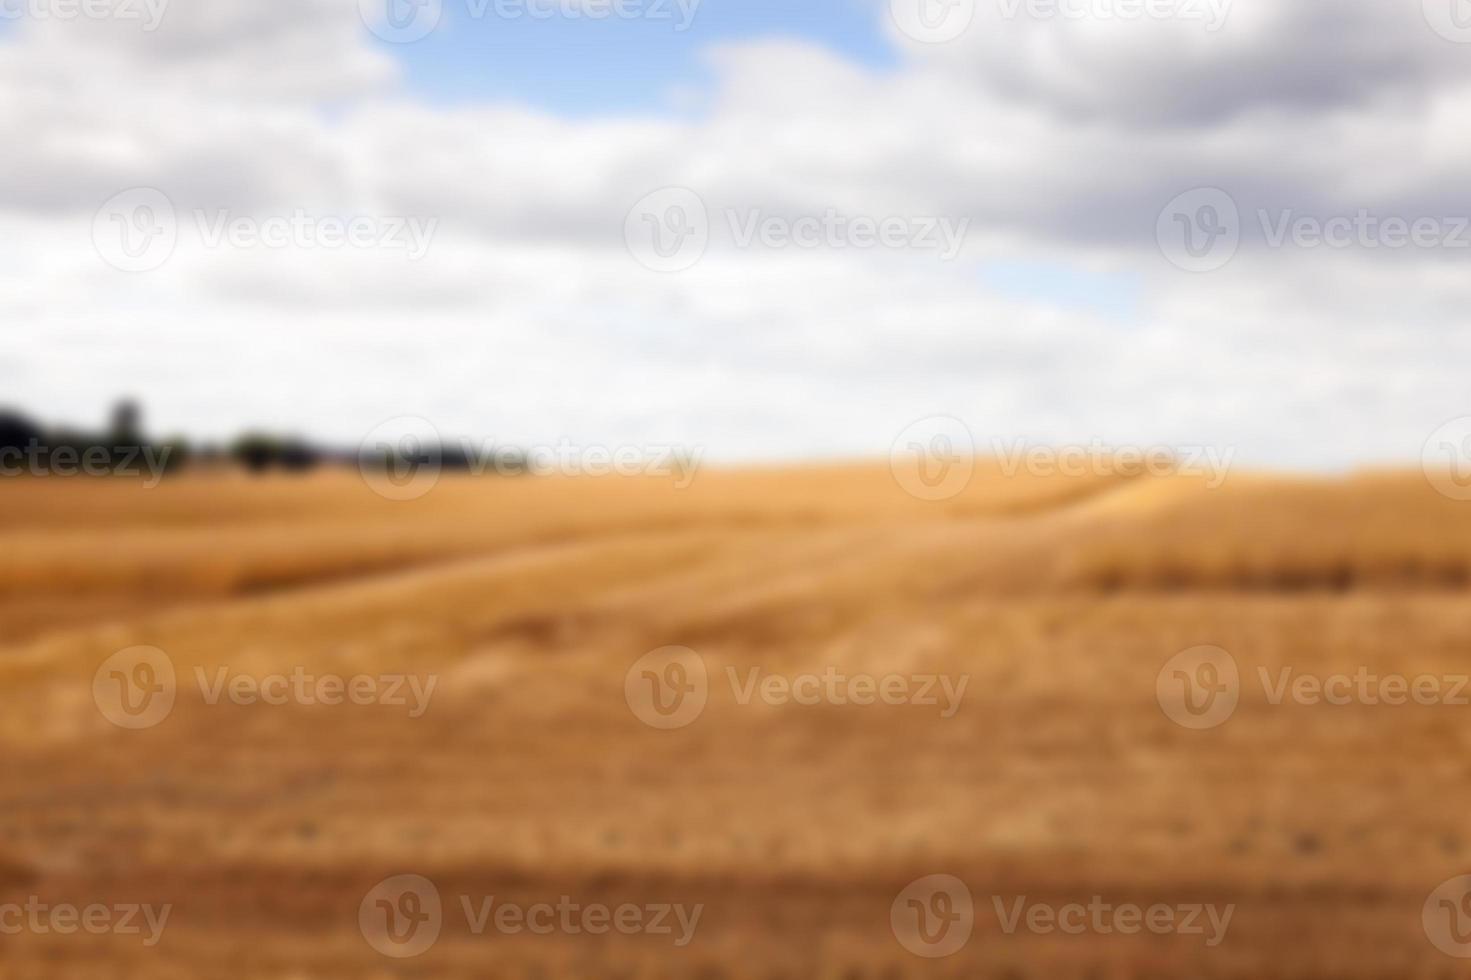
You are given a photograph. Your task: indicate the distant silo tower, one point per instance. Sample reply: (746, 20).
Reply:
(127, 423)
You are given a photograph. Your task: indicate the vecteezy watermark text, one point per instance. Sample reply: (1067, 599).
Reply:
(1211, 13)
(1202, 229)
(1200, 688)
(410, 691)
(42, 459)
(137, 687)
(403, 917)
(934, 917)
(404, 458)
(942, 21)
(834, 230)
(678, 13)
(1100, 459)
(934, 459)
(833, 686)
(1101, 917)
(670, 229)
(407, 21)
(138, 230)
(669, 688)
(96, 919)
(303, 229)
(149, 13)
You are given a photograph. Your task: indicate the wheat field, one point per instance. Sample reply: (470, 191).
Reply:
(1058, 778)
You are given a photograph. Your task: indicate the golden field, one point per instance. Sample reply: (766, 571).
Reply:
(529, 778)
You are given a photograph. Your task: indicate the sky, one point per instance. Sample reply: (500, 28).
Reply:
(775, 230)
(585, 67)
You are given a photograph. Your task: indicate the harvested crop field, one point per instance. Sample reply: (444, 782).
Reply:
(1033, 753)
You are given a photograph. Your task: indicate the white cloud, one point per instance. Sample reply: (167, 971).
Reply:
(1058, 140)
(1200, 62)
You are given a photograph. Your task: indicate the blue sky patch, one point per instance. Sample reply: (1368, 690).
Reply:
(586, 66)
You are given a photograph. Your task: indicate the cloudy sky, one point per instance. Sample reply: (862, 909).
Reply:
(1189, 222)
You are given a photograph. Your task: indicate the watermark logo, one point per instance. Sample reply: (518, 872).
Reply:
(933, 21)
(933, 916)
(1445, 459)
(933, 458)
(667, 688)
(668, 230)
(1451, 19)
(401, 21)
(136, 230)
(1199, 230)
(135, 688)
(1199, 688)
(401, 917)
(1446, 917)
(402, 458)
